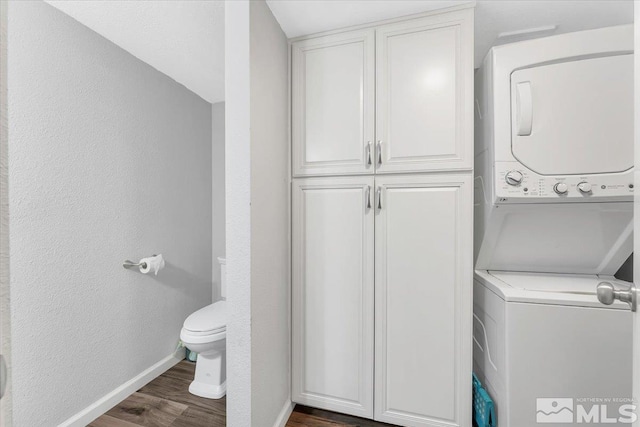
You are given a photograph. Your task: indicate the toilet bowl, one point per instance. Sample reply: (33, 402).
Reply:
(205, 332)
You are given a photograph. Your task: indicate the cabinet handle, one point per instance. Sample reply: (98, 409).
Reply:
(379, 195)
(369, 159)
(379, 151)
(367, 196)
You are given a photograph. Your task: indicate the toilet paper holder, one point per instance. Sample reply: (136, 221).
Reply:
(130, 264)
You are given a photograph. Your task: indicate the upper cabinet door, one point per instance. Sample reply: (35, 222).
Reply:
(333, 104)
(424, 110)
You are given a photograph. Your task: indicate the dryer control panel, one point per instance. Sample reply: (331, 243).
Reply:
(516, 184)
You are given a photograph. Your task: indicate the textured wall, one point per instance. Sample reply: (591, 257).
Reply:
(270, 332)
(257, 215)
(109, 160)
(182, 39)
(238, 204)
(218, 171)
(5, 317)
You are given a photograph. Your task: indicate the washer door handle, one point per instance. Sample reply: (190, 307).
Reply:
(3, 376)
(607, 294)
(524, 105)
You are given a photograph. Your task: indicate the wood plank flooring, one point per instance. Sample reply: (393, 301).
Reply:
(166, 402)
(304, 416)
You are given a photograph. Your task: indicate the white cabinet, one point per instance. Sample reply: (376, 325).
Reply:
(332, 294)
(424, 93)
(382, 167)
(423, 276)
(423, 300)
(415, 76)
(332, 97)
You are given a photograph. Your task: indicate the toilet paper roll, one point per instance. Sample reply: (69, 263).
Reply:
(154, 263)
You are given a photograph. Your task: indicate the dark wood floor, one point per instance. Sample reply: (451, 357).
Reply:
(310, 417)
(166, 402)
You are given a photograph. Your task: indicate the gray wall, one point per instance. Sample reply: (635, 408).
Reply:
(109, 160)
(218, 170)
(270, 332)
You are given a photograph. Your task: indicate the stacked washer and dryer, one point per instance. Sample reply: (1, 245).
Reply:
(553, 219)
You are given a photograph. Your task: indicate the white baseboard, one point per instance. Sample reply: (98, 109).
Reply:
(111, 399)
(284, 414)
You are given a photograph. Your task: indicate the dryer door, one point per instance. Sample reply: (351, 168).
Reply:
(574, 117)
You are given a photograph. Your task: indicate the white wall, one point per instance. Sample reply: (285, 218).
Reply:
(218, 209)
(238, 205)
(6, 410)
(270, 333)
(636, 205)
(257, 216)
(109, 160)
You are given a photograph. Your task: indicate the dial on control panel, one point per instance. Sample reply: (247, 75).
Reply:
(584, 187)
(561, 188)
(514, 177)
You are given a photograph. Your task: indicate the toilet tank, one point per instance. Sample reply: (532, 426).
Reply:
(223, 277)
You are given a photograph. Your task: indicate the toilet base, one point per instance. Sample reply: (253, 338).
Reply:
(210, 380)
(207, 390)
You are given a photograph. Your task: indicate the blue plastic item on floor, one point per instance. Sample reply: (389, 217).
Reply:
(483, 410)
(190, 355)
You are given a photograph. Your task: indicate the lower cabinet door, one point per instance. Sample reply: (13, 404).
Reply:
(423, 297)
(333, 294)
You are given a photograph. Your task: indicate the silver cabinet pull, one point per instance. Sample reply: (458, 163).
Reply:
(369, 158)
(367, 196)
(379, 195)
(379, 152)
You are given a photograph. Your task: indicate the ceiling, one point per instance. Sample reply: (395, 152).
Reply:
(184, 39)
(496, 17)
(302, 17)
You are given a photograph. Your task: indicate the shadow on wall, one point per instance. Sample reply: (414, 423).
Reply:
(175, 277)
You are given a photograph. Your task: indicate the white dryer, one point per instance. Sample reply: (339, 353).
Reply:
(554, 154)
(547, 336)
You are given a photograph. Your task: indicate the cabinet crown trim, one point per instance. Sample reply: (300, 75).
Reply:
(463, 7)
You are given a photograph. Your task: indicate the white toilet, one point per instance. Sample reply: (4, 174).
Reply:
(205, 332)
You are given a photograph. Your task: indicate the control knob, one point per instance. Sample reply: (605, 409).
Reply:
(584, 187)
(514, 177)
(561, 188)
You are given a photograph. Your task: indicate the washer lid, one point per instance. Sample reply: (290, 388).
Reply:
(554, 289)
(212, 319)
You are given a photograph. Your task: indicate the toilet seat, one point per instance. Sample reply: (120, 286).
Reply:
(191, 338)
(209, 320)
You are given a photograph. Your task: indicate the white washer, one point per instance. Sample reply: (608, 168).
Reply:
(546, 336)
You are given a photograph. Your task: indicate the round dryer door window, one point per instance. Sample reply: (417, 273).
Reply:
(574, 117)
